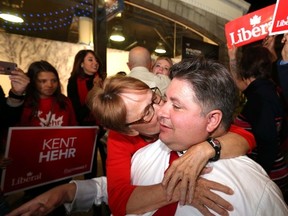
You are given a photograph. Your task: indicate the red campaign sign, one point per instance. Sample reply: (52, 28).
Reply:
(280, 18)
(42, 155)
(249, 28)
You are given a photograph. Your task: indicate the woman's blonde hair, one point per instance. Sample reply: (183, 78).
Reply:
(169, 60)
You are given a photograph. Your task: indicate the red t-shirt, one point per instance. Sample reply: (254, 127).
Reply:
(49, 114)
(120, 149)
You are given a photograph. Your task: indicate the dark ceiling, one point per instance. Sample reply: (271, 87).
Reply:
(258, 4)
(55, 20)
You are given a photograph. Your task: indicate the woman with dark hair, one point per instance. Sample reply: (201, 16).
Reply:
(86, 72)
(44, 104)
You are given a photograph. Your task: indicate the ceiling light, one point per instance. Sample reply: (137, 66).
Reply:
(11, 17)
(117, 34)
(160, 48)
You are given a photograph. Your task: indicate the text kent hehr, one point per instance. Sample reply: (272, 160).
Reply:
(57, 148)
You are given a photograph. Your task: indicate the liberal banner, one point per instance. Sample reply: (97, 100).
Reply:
(249, 28)
(280, 18)
(42, 155)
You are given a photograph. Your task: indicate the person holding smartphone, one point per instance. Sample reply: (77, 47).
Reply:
(10, 113)
(10, 107)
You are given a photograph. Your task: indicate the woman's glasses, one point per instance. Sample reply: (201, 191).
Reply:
(149, 111)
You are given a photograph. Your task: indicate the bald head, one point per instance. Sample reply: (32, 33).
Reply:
(139, 56)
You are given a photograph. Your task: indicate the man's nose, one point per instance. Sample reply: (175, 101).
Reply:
(160, 109)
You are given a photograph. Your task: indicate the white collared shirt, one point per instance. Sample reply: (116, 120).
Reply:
(254, 192)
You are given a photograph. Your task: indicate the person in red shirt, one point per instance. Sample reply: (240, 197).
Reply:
(44, 104)
(87, 71)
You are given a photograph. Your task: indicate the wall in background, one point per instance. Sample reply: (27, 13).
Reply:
(24, 50)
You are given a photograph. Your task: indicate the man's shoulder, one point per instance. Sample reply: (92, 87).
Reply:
(255, 175)
(138, 70)
(243, 162)
(249, 181)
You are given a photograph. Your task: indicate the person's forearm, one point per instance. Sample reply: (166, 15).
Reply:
(233, 68)
(47, 202)
(233, 145)
(146, 198)
(70, 190)
(61, 194)
(233, 61)
(285, 57)
(13, 102)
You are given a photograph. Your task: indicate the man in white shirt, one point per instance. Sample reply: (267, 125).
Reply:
(201, 100)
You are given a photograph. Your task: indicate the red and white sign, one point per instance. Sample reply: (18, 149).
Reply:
(42, 155)
(249, 28)
(280, 18)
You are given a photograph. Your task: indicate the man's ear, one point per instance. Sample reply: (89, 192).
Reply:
(214, 119)
(128, 65)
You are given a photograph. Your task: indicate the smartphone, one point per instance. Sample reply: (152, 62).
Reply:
(7, 67)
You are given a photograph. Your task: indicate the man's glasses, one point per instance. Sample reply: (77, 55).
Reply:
(149, 111)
